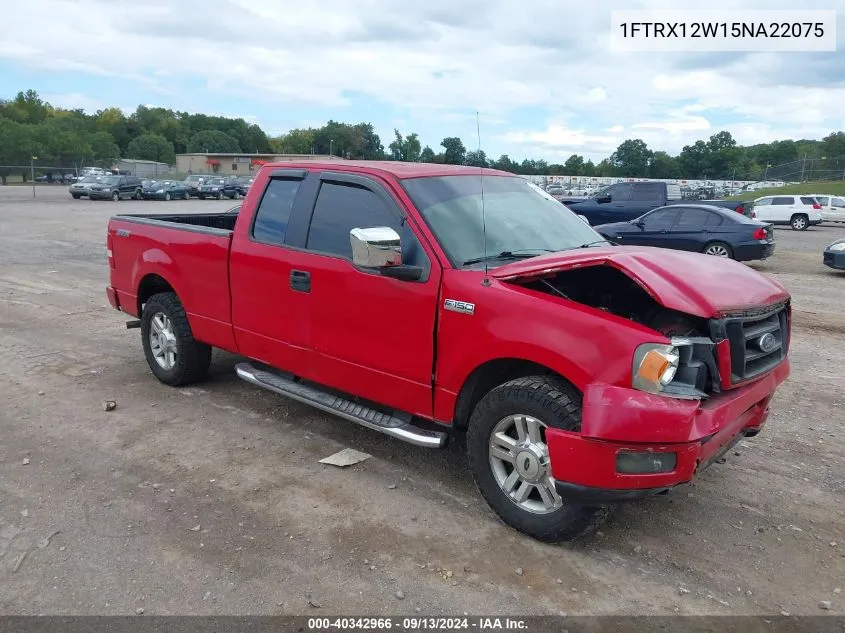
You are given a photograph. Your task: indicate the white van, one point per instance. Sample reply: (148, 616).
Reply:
(797, 211)
(833, 207)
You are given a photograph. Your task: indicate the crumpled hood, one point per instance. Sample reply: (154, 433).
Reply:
(701, 285)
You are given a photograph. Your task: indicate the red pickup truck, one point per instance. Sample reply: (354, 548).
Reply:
(419, 300)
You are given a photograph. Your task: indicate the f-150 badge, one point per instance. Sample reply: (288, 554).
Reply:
(459, 306)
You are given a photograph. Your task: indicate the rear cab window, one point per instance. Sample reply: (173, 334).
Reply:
(808, 200)
(273, 213)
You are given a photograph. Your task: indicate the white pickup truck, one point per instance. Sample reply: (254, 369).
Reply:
(833, 207)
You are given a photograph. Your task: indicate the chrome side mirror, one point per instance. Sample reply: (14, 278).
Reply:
(376, 247)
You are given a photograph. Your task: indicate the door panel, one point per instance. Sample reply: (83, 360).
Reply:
(373, 336)
(271, 318)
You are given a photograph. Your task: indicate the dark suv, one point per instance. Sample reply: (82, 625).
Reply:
(116, 187)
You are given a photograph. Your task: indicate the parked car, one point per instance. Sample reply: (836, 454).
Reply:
(833, 207)
(80, 188)
(194, 182)
(799, 212)
(834, 255)
(165, 190)
(219, 188)
(583, 373)
(116, 188)
(627, 201)
(698, 228)
(244, 183)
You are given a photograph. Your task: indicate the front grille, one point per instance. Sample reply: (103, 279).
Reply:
(758, 342)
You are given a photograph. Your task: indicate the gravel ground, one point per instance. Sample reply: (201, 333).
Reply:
(211, 500)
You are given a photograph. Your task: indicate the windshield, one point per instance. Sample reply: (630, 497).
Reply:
(215, 181)
(520, 219)
(110, 180)
(90, 179)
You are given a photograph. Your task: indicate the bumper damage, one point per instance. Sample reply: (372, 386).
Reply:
(633, 444)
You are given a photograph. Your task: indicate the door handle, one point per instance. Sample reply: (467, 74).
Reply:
(300, 280)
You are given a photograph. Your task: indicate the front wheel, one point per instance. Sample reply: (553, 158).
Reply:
(172, 353)
(219, 195)
(799, 222)
(509, 457)
(167, 196)
(718, 249)
(115, 196)
(138, 195)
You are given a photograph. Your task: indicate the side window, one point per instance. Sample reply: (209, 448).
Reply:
(660, 220)
(808, 200)
(621, 192)
(271, 218)
(715, 219)
(783, 201)
(823, 200)
(763, 202)
(643, 191)
(838, 202)
(692, 219)
(341, 208)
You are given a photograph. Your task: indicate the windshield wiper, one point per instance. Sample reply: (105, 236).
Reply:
(588, 244)
(518, 254)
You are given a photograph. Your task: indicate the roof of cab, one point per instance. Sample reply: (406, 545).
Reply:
(398, 169)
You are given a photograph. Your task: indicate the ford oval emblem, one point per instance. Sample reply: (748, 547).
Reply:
(767, 343)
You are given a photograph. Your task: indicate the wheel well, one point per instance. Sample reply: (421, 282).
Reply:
(490, 375)
(151, 284)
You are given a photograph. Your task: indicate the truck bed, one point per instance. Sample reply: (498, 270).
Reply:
(191, 252)
(220, 221)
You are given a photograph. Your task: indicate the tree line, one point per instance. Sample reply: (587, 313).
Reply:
(59, 137)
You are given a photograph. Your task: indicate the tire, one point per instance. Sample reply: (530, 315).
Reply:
(167, 196)
(115, 196)
(219, 195)
(75, 196)
(236, 195)
(187, 196)
(718, 249)
(191, 358)
(799, 222)
(138, 195)
(554, 403)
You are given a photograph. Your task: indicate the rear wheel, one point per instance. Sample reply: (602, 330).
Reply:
(167, 196)
(509, 457)
(799, 222)
(236, 195)
(718, 249)
(115, 196)
(138, 195)
(172, 353)
(219, 195)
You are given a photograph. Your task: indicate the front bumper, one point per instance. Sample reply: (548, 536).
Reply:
(148, 195)
(617, 419)
(834, 259)
(100, 195)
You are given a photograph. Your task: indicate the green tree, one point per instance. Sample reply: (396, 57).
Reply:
(455, 152)
(427, 155)
(405, 148)
(152, 147)
(26, 107)
(213, 142)
(105, 151)
(694, 160)
(299, 141)
(504, 163)
(663, 166)
(16, 147)
(476, 158)
(631, 158)
(574, 165)
(833, 145)
(589, 168)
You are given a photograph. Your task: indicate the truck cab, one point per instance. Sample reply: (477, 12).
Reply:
(424, 301)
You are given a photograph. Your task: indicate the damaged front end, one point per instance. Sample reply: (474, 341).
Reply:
(686, 368)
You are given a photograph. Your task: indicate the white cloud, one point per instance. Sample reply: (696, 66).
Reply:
(432, 64)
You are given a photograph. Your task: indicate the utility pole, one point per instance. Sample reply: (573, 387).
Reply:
(803, 166)
(331, 146)
(32, 160)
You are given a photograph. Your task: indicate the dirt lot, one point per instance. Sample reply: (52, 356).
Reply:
(210, 500)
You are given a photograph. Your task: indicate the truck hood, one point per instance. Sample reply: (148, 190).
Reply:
(701, 285)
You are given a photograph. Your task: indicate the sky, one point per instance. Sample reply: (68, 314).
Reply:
(541, 74)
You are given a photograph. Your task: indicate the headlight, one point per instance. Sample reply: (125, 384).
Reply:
(215, 188)
(840, 246)
(654, 366)
(159, 190)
